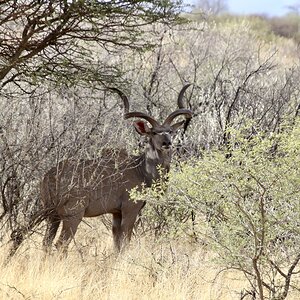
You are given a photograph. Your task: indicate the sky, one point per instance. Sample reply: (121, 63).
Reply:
(267, 7)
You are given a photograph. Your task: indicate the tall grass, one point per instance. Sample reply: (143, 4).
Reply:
(147, 270)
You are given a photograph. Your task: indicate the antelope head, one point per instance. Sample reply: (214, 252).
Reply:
(159, 134)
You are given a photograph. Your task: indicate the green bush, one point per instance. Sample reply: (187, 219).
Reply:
(244, 203)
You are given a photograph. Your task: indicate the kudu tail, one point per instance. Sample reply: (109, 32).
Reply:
(19, 234)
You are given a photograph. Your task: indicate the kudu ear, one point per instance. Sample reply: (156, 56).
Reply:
(141, 127)
(177, 125)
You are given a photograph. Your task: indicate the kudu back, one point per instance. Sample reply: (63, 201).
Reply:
(89, 188)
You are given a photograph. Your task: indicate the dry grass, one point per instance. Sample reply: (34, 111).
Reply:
(148, 270)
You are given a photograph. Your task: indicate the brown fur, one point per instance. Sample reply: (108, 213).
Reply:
(89, 188)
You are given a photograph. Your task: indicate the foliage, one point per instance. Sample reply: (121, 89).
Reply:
(237, 186)
(245, 205)
(235, 76)
(266, 28)
(59, 40)
(55, 56)
(214, 7)
(287, 26)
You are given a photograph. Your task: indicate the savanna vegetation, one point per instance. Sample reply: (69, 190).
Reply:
(227, 223)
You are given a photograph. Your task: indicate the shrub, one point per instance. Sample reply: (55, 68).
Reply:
(245, 206)
(287, 26)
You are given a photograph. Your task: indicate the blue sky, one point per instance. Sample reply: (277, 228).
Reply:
(268, 7)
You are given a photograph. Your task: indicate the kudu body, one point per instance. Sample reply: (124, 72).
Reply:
(89, 188)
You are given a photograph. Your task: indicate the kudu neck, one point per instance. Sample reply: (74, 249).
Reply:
(155, 163)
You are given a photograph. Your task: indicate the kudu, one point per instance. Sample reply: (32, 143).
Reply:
(89, 188)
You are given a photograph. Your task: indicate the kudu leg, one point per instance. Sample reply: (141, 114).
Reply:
(52, 227)
(69, 228)
(129, 216)
(116, 229)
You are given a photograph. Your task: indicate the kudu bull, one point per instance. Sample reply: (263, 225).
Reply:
(89, 188)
